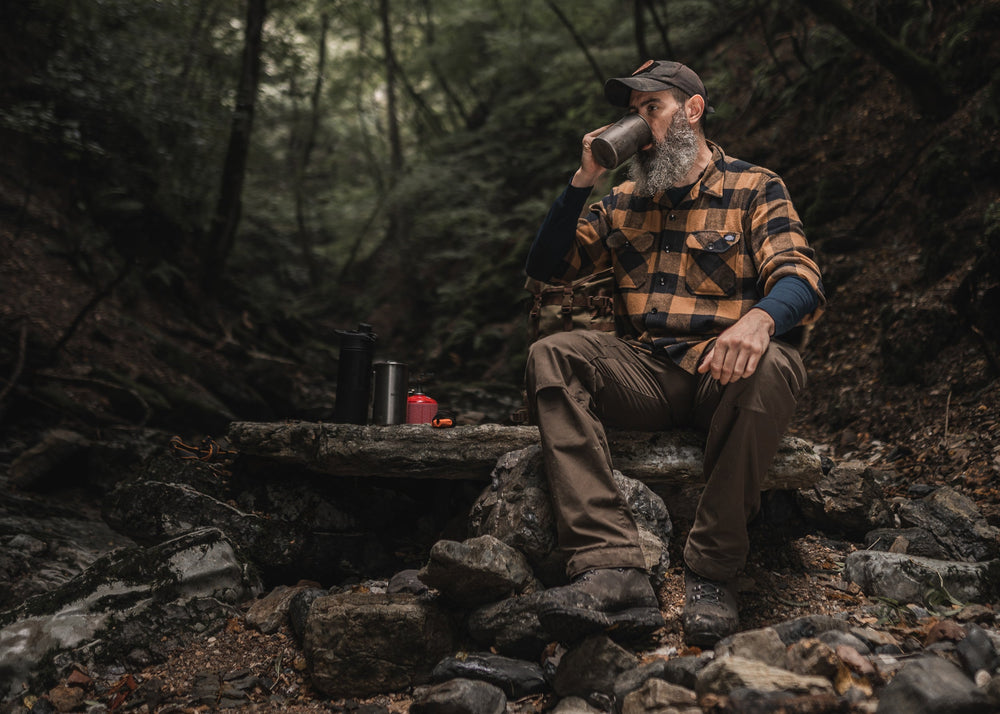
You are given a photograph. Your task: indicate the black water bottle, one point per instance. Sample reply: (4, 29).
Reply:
(354, 375)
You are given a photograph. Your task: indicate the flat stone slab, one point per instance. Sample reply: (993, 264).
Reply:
(471, 452)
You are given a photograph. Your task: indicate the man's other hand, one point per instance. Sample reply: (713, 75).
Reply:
(737, 351)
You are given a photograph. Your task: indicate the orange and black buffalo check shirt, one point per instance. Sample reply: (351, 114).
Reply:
(686, 272)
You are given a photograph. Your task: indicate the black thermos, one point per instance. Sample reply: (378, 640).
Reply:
(354, 375)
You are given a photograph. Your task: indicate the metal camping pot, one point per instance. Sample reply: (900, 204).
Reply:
(420, 409)
(620, 141)
(391, 384)
(354, 375)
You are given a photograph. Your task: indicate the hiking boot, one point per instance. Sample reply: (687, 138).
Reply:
(710, 610)
(617, 601)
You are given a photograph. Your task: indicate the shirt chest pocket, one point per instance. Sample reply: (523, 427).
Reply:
(712, 263)
(632, 250)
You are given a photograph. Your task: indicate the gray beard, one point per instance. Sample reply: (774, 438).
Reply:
(668, 161)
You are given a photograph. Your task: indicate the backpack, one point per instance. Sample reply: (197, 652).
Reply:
(585, 304)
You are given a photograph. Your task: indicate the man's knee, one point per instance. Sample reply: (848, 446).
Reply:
(781, 369)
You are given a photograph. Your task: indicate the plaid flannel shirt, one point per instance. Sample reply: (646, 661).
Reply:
(685, 273)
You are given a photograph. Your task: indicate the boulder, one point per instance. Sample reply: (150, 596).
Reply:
(592, 667)
(956, 523)
(515, 677)
(361, 644)
(510, 626)
(846, 500)
(913, 579)
(135, 601)
(929, 685)
(151, 511)
(728, 674)
(516, 509)
(459, 696)
(477, 571)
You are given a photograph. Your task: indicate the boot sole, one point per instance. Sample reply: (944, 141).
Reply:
(569, 624)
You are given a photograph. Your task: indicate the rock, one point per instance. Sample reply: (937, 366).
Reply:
(840, 638)
(910, 541)
(575, 705)
(270, 612)
(471, 452)
(48, 460)
(813, 657)
(932, 685)
(728, 674)
(517, 510)
(977, 651)
(298, 610)
(43, 545)
(407, 581)
(66, 699)
(809, 626)
(510, 626)
(763, 645)
(459, 696)
(592, 666)
(152, 511)
(516, 678)
(956, 523)
(907, 578)
(477, 571)
(655, 695)
(750, 701)
(138, 600)
(846, 500)
(632, 679)
(359, 644)
(992, 690)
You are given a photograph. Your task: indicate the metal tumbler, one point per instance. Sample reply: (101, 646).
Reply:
(391, 385)
(620, 141)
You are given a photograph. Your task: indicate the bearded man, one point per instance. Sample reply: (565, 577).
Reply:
(713, 278)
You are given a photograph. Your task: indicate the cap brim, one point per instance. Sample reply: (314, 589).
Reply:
(618, 91)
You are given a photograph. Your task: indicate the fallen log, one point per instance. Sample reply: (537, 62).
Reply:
(471, 452)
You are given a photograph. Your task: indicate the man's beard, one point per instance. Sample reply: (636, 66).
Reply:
(668, 161)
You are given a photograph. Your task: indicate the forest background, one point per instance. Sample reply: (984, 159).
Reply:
(196, 195)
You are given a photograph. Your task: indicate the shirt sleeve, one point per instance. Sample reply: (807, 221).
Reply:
(779, 245)
(556, 235)
(789, 302)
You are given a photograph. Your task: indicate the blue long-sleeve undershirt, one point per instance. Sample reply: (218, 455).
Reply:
(790, 300)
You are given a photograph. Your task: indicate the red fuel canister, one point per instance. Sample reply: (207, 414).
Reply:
(420, 409)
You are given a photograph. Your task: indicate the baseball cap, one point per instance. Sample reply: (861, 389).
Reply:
(655, 76)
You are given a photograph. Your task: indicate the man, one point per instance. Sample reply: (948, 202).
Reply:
(712, 276)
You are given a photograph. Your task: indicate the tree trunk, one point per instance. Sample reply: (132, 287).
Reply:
(304, 239)
(923, 78)
(397, 228)
(222, 234)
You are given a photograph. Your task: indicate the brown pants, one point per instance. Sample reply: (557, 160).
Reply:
(580, 381)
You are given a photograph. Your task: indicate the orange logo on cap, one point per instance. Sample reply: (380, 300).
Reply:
(644, 67)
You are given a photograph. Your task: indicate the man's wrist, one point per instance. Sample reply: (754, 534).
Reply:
(763, 318)
(584, 179)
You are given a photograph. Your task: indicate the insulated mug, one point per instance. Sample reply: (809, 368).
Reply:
(354, 375)
(620, 140)
(391, 385)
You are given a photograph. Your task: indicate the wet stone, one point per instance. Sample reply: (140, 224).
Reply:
(516, 678)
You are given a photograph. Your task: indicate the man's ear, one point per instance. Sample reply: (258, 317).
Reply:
(695, 108)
